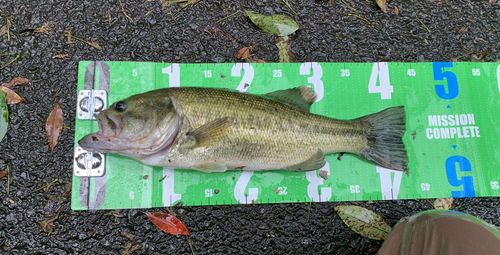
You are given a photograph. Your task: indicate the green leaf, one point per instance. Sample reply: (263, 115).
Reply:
(285, 53)
(382, 4)
(4, 116)
(364, 221)
(279, 25)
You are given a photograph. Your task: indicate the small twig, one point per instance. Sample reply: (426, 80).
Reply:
(347, 5)
(309, 213)
(367, 21)
(477, 53)
(123, 10)
(109, 16)
(8, 179)
(5, 54)
(227, 8)
(9, 62)
(190, 246)
(163, 178)
(430, 203)
(8, 27)
(287, 4)
(93, 44)
(118, 56)
(227, 17)
(423, 24)
(54, 97)
(57, 179)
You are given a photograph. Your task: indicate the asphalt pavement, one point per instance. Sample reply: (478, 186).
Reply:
(327, 34)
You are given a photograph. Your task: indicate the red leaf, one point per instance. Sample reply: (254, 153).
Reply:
(2, 174)
(243, 53)
(54, 126)
(15, 82)
(167, 223)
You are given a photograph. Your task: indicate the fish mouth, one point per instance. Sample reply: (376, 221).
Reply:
(108, 139)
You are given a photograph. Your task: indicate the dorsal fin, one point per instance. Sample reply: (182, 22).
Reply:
(301, 98)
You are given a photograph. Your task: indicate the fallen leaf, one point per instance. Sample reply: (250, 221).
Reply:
(463, 30)
(69, 35)
(167, 223)
(4, 116)
(277, 191)
(3, 30)
(3, 174)
(285, 53)
(54, 126)
(61, 56)
(443, 203)
(127, 235)
(94, 44)
(363, 221)
(279, 25)
(16, 82)
(129, 250)
(382, 4)
(396, 10)
(439, 3)
(243, 53)
(323, 174)
(374, 249)
(45, 28)
(11, 96)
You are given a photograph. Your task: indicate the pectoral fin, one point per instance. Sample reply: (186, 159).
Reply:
(210, 132)
(301, 98)
(315, 162)
(211, 167)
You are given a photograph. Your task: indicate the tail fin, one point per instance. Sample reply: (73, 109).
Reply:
(385, 144)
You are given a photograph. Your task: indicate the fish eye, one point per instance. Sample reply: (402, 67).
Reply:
(120, 106)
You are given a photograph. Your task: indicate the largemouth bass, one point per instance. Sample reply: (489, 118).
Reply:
(213, 130)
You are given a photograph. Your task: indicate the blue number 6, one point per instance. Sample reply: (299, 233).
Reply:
(466, 181)
(439, 75)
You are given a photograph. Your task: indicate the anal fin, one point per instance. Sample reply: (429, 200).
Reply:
(210, 167)
(315, 162)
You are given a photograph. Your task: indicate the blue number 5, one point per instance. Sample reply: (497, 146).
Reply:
(439, 75)
(466, 181)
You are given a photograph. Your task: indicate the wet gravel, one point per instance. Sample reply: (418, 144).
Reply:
(327, 35)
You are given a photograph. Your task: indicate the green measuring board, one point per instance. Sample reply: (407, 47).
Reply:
(453, 123)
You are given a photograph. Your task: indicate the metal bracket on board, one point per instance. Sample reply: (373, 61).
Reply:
(90, 102)
(90, 165)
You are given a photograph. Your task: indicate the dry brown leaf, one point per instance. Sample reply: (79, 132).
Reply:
(45, 28)
(94, 44)
(128, 236)
(3, 174)
(243, 53)
(3, 30)
(61, 56)
(16, 82)
(69, 35)
(463, 30)
(439, 3)
(54, 126)
(323, 174)
(396, 10)
(11, 96)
